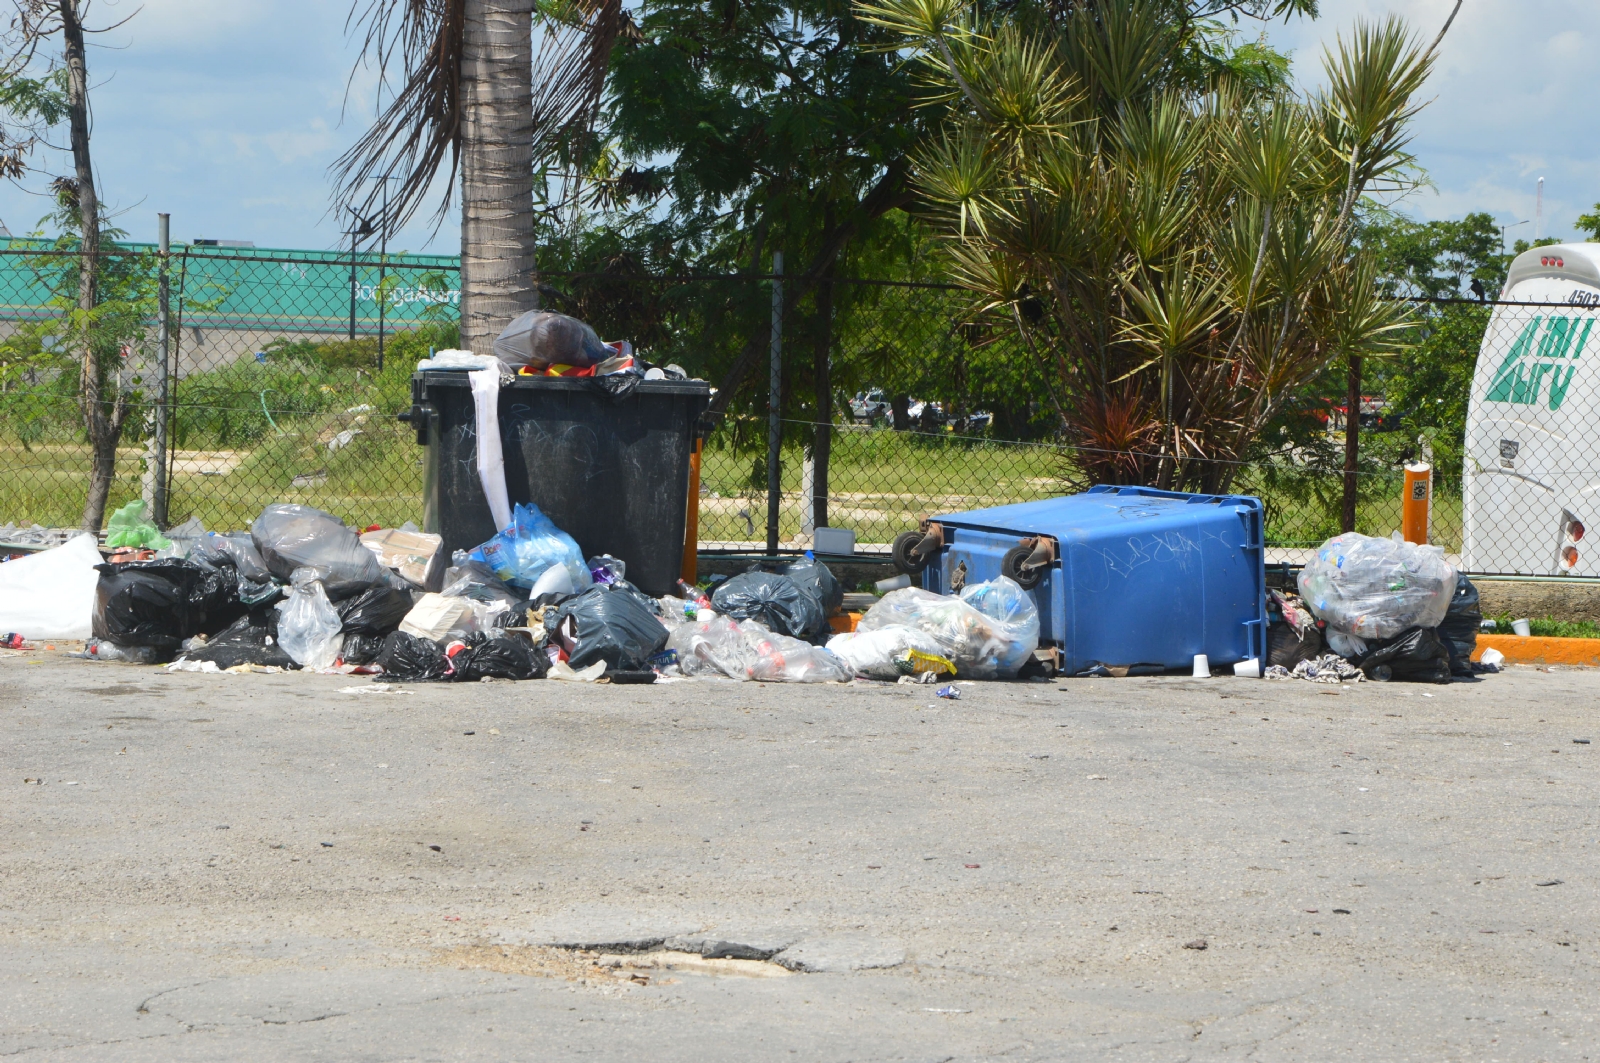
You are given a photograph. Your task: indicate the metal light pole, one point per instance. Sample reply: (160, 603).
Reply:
(1503, 229)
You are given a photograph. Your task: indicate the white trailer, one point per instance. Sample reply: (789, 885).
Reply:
(1532, 465)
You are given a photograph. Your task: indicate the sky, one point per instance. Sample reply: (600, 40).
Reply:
(227, 114)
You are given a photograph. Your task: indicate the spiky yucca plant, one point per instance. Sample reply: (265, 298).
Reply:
(1178, 250)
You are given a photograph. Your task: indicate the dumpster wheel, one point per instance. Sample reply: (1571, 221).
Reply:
(1014, 565)
(905, 555)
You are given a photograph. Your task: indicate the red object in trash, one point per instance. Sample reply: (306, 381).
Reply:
(12, 641)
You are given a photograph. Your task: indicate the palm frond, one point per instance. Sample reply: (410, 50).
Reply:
(418, 44)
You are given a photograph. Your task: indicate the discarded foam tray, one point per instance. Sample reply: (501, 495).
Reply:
(624, 677)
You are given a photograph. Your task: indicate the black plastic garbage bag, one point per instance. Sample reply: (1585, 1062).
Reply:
(772, 599)
(215, 549)
(814, 577)
(622, 586)
(1459, 629)
(162, 603)
(1416, 654)
(252, 639)
(619, 385)
(603, 624)
(291, 536)
(1287, 649)
(377, 610)
(257, 586)
(476, 580)
(361, 648)
(408, 657)
(501, 657)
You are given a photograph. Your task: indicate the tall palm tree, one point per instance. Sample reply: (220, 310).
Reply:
(474, 104)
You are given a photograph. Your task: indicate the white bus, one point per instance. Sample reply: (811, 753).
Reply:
(1532, 475)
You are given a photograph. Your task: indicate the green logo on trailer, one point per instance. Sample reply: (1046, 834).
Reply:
(1521, 377)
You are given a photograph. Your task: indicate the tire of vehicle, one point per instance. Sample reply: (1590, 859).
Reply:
(904, 543)
(1011, 568)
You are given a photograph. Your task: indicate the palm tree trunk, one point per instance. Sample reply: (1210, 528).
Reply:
(104, 427)
(498, 278)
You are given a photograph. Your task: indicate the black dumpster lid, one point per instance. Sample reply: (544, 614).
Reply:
(458, 378)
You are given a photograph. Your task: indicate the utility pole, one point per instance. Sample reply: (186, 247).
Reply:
(359, 227)
(774, 407)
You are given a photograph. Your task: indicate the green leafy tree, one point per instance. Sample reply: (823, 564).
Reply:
(1428, 384)
(1590, 223)
(762, 127)
(92, 320)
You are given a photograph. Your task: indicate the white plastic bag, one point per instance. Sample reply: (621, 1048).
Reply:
(458, 360)
(1377, 588)
(1343, 643)
(988, 633)
(775, 658)
(872, 653)
(556, 580)
(308, 624)
(50, 595)
(711, 647)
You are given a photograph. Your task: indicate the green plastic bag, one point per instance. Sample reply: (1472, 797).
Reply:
(129, 526)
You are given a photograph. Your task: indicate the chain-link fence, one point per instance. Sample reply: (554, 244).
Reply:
(280, 378)
(284, 372)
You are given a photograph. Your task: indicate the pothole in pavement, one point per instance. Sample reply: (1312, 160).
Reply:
(611, 955)
(596, 968)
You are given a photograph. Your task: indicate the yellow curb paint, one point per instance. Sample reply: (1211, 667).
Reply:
(1539, 649)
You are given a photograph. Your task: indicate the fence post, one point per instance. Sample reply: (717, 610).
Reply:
(159, 501)
(822, 430)
(1352, 441)
(808, 493)
(774, 404)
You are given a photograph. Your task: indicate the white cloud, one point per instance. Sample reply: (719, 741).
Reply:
(226, 113)
(1509, 104)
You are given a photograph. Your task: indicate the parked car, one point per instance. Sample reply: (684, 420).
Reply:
(928, 416)
(973, 423)
(870, 407)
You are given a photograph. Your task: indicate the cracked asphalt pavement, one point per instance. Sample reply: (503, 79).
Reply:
(268, 867)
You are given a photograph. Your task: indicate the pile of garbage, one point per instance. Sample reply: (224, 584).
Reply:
(1373, 608)
(302, 590)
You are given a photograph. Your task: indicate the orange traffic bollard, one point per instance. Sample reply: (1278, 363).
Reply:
(691, 524)
(1416, 503)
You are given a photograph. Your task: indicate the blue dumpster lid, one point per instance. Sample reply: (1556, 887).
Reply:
(1102, 503)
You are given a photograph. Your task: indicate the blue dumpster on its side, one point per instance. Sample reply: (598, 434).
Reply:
(1125, 577)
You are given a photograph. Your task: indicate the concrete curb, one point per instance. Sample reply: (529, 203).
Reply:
(1537, 649)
